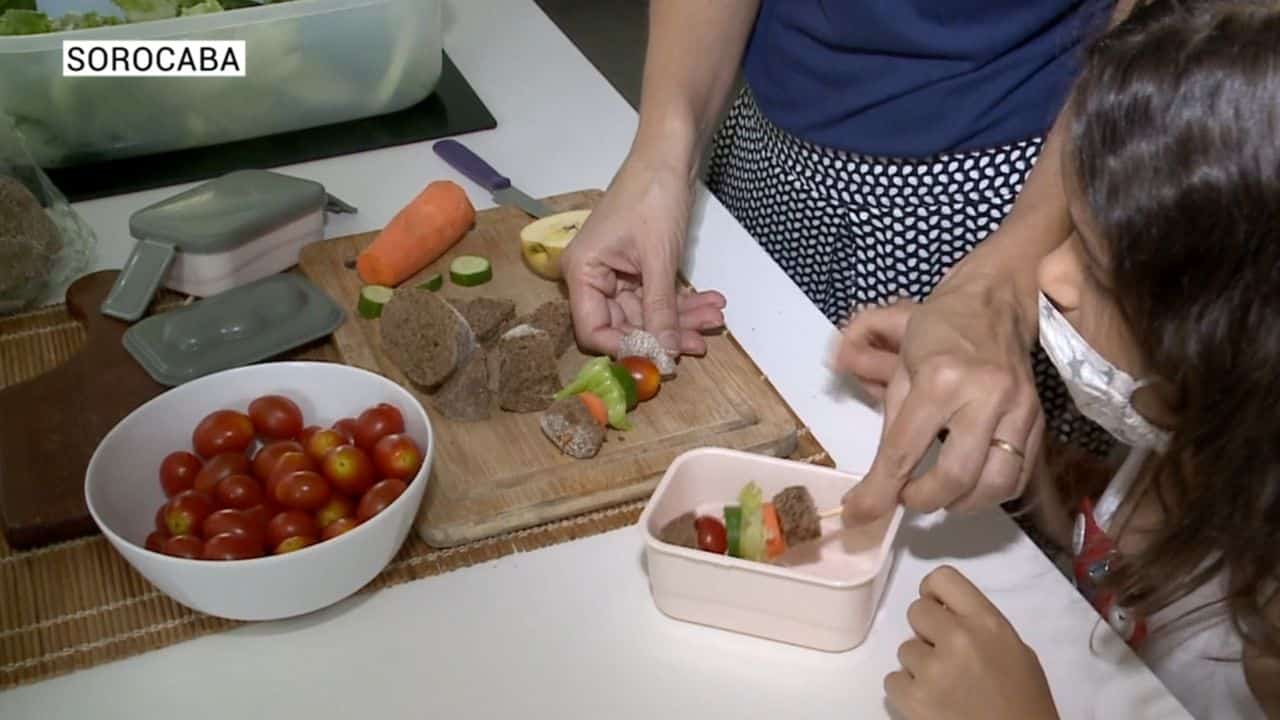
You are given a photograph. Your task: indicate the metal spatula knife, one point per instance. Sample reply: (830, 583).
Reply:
(474, 167)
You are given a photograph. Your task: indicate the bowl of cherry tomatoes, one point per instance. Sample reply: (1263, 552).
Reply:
(265, 491)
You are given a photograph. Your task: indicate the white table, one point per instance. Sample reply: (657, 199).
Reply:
(571, 631)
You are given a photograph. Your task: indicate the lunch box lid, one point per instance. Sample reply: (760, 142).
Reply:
(240, 326)
(228, 211)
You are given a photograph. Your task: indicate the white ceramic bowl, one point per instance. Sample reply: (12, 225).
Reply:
(122, 489)
(821, 595)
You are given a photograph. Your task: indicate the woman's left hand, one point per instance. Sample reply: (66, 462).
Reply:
(966, 660)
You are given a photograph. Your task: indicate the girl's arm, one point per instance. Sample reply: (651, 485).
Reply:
(966, 660)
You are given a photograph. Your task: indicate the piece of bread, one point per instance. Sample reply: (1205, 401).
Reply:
(485, 315)
(465, 396)
(555, 319)
(572, 428)
(798, 515)
(426, 337)
(29, 240)
(528, 374)
(682, 531)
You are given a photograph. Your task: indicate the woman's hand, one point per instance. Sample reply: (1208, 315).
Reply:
(966, 660)
(621, 267)
(958, 361)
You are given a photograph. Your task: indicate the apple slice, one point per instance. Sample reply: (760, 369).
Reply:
(542, 241)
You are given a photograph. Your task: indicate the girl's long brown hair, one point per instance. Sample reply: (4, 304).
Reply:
(1175, 137)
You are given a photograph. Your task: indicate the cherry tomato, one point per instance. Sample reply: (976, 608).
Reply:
(349, 469)
(303, 490)
(178, 472)
(222, 431)
(337, 527)
(337, 508)
(260, 515)
(161, 523)
(646, 375)
(184, 546)
(711, 534)
(238, 491)
(275, 417)
(265, 461)
(219, 467)
(288, 463)
(186, 512)
(290, 523)
(378, 498)
(397, 456)
(305, 436)
(295, 543)
(155, 541)
(232, 546)
(375, 423)
(347, 427)
(234, 522)
(323, 441)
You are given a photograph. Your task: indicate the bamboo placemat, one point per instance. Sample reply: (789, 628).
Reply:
(78, 604)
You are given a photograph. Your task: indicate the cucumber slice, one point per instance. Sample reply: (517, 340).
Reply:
(433, 283)
(733, 530)
(470, 270)
(372, 298)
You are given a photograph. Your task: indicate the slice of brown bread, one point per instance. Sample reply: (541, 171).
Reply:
(486, 315)
(465, 396)
(682, 531)
(527, 369)
(798, 515)
(571, 427)
(555, 319)
(425, 336)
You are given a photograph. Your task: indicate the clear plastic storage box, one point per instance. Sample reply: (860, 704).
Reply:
(309, 63)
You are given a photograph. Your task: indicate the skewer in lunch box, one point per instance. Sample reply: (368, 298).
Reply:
(753, 529)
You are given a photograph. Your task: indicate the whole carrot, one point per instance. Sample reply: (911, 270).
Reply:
(418, 235)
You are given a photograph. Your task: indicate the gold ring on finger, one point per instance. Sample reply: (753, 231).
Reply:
(1008, 447)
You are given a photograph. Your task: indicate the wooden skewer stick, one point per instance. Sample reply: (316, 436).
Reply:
(831, 512)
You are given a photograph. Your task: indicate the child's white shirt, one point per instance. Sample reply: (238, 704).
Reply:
(1198, 657)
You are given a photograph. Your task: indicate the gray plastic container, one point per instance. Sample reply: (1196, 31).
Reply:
(227, 232)
(241, 326)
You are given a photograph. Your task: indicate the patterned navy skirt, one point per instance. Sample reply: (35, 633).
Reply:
(855, 231)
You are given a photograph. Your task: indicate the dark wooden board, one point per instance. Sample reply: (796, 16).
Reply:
(51, 424)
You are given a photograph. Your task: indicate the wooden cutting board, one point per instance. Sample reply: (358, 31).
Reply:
(502, 474)
(51, 424)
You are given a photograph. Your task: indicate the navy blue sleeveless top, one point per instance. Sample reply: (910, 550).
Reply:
(913, 78)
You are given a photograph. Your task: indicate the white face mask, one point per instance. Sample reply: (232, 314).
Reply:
(1102, 391)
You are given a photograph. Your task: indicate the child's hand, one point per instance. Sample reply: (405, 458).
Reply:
(966, 660)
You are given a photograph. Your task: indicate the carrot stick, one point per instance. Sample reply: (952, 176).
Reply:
(775, 542)
(596, 406)
(418, 235)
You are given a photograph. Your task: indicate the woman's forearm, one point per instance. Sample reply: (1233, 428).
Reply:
(1003, 267)
(695, 49)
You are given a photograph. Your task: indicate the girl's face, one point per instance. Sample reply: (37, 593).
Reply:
(1076, 278)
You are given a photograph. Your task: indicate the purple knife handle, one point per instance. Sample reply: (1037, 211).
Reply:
(471, 165)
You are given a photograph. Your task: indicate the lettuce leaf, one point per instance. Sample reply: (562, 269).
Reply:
(24, 22)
